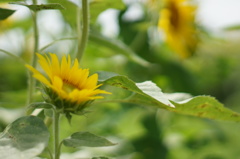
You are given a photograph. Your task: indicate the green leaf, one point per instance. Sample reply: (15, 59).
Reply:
(104, 75)
(24, 138)
(5, 13)
(42, 6)
(101, 157)
(70, 11)
(48, 113)
(205, 107)
(86, 139)
(45, 6)
(98, 6)
(148, 94)
(39, 105)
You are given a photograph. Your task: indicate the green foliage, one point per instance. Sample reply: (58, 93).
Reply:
(88, 139)
(70, 11)
(26, 137)
(9, 82)
(45, 6)
(147, 93)
(5, 13)
(206, 107)
(178, 130)
(41, 7)
(98, 6)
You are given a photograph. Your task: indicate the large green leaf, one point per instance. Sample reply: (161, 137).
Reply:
(148, 94)
(45, 7)
(69, 13)
(25, 138)
(5, 13)
(86, 139)
(98, 6)
(41, 6)
(205, 107)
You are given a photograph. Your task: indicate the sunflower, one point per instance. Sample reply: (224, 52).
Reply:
(69, 87)
(177, 20)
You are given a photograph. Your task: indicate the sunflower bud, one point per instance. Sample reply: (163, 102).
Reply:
(67, 86)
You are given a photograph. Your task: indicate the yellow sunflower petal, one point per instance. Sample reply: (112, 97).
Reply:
(57, 82)
(84, 76)
(38, 75)
(177, 20)
(64, 67)
(55, 64)
(45, 65)
(91, 82)
(79, 96)
(74, 77)
(42, 79)
(34, 71)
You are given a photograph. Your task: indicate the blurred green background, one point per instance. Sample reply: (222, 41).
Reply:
(141, 132)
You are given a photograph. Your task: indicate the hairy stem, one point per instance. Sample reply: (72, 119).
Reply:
(32, 81)
(56, 134)
(83, 33)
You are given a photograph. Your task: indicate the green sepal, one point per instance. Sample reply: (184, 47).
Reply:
(87, 139)
(69, 117)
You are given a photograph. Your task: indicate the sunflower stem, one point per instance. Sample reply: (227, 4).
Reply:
(32, 81)
(119, 47)
(83, 33)
(56, 116)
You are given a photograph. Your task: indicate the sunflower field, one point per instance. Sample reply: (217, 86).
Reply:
(119, 79)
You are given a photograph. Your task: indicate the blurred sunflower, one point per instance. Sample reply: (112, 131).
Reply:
(177, 20)
(70, 88)
(153, 3)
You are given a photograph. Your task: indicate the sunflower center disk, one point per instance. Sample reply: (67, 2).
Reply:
(68, 87)
(174, 17)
